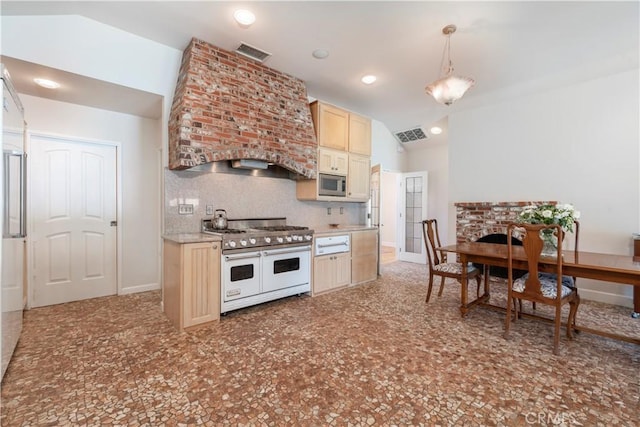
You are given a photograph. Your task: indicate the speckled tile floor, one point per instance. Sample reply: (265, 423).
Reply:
(374, 354)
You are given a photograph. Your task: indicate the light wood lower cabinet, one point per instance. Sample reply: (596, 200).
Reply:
(331, 272)
(364, 256)
(191, 283)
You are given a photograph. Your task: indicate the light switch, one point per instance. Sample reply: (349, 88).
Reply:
(209, 210)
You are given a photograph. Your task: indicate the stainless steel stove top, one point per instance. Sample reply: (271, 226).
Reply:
(258, 233)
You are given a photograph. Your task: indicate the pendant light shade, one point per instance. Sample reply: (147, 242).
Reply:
(448, 89)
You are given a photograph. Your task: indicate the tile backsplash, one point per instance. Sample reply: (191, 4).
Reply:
(246, 197)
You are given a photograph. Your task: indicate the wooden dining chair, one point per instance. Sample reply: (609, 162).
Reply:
(576, 240)
(537, 287)
(438, 264)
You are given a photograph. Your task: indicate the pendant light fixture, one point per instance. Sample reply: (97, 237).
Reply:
(448, 89)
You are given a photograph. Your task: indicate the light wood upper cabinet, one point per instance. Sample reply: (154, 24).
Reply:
(344, 148)
(333, 162)
(358, 177)
(191, 283)
(331, 125)
(359, 135)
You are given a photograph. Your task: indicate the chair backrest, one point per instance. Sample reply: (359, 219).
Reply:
(532, 244)
(431, 240)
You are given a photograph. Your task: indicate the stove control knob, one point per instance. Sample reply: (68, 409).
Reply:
(280, 239)
(267, 239)
(294, 237)
(288, 238)
(243, 242)
(232, 243)
(252, 241)
(308, 237)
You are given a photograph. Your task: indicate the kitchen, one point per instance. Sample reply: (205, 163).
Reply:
(457, 172)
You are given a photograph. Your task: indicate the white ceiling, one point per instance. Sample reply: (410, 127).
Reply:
(508, 47)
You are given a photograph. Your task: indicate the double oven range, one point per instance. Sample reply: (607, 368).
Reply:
(262, 260)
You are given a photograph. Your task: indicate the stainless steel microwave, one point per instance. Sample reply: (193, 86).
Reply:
(332, 185)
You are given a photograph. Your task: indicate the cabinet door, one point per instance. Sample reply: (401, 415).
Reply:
(359, 135)
(358, 177)
(342, 269)
(323, 279)
(364, 256)
(331, 272)
(333, 131)
(333, 162)
(201, 276)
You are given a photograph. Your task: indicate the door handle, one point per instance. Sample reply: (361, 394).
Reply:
(114, 223)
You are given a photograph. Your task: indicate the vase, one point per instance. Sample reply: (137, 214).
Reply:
(549, 243)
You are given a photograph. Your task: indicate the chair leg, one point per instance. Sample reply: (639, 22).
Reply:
(519, 312)
(573, 311)
(441, 286)
(430, 287)
(478, 280)
(507, 321)
(556, 329)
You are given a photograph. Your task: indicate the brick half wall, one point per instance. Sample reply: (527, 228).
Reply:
(478, 219)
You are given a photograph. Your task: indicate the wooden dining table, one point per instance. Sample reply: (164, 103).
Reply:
(623, 269)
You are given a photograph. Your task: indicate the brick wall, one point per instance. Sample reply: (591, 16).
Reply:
(478, 219)
(229, 107)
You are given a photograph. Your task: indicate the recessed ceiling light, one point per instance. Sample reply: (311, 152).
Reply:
(320, 53)
(244, 17)
(436, 130)
(368, 79)
(49, 84)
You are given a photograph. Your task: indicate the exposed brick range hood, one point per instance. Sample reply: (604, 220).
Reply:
(228, 107)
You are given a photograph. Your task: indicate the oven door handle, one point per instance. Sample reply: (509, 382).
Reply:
(290, 251)
(329, 245)
(247, 256)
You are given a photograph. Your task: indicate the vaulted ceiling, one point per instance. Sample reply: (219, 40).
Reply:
(508, 47)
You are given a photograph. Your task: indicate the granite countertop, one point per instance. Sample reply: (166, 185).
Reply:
(191, 237)
(325, 229)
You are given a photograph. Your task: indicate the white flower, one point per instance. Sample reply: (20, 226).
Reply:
(547, 214)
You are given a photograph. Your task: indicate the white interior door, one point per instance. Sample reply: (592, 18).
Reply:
(413, 209)
(73, 194)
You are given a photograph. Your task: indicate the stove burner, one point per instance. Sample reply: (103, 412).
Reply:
(244, 234)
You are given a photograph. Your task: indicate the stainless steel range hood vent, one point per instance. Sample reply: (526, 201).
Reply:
(227, 166)
(249, 164)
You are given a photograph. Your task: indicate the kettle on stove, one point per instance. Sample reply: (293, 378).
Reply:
(219, 220)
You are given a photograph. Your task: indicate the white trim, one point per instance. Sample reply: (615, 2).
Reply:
(139, 288)
(605, 297)
(390, 244)
(81, 140)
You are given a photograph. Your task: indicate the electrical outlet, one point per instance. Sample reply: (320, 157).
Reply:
(185, 209)
(328, 211)
(209, 210)
(341, 210)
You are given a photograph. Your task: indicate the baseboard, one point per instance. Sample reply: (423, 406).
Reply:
(605, 297)
(391, 244)
(139, 288)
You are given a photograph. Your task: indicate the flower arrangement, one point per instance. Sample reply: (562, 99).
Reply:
(562, 214)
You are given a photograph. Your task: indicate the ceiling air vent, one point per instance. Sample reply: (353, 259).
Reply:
(252, 52)
(411, 135)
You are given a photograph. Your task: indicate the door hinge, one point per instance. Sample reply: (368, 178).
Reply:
(114, 223)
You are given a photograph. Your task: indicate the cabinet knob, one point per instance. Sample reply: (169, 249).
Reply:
(215, 246)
